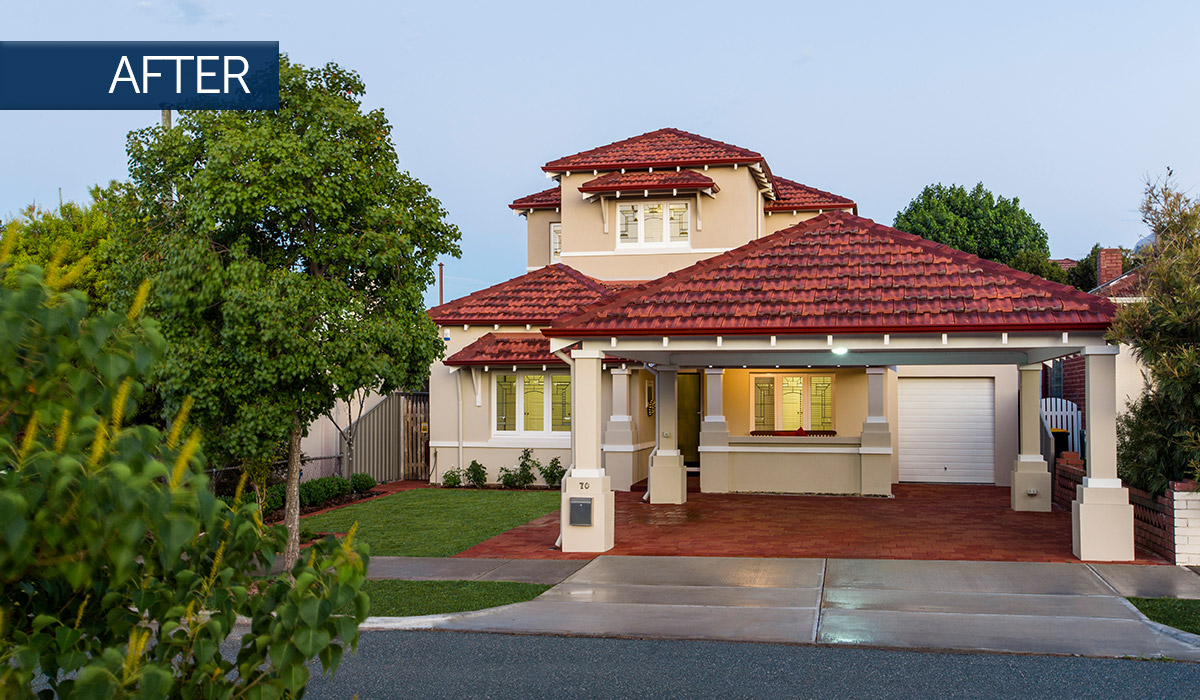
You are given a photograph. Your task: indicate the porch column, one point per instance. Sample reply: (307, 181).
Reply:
(587, 479)
(1031, 487)
(715, 474)
(875, 453)
(668, 478)
(1101, 516)
(618, 434)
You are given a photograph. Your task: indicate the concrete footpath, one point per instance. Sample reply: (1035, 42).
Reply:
(1076, 609)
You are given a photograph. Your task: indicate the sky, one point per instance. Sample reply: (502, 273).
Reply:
(1068, 106)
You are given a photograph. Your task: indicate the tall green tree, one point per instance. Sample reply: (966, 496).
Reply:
(1159, 437)
(1083, 275)
(978, 222)
(121, 575)
(289, 255)
(69, 237)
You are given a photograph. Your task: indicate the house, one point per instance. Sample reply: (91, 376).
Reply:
(684, 309)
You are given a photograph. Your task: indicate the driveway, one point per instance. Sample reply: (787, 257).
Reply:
(1042, 608)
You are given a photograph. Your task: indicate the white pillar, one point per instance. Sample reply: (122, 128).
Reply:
(875, 453)
(1101, 516)
(618, 434)
(715, 474)
(1031, 487)
(587, 480)
(668, 477)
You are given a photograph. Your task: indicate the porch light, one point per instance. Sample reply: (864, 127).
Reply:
(840, 351)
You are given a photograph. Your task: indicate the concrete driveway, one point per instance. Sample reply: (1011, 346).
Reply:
(1042, 608)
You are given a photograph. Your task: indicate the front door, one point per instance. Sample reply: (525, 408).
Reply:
(689, 419)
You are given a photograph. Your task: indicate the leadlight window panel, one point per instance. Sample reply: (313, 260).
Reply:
(680, 220)
(652, 226)
(555, 242)
(535, 403)
(506, 402)
(764, 403)
(560, 402)
(792, 404)
(820, 391)
(627, 223)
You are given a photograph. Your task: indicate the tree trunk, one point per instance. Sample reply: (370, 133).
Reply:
(291, 508)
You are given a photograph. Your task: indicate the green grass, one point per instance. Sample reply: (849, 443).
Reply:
(404, 598)
(435, 522)
(1175, 612)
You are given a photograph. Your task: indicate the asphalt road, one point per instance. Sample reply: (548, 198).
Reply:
(407, 664)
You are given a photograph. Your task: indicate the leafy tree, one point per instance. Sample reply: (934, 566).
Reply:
(1159, 439)
(975, 221)
(121, 575)
(70, 237)
(289, 255)
(1038, 264)
(1083, 275)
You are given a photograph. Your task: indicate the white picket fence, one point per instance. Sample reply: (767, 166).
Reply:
(1060, 414)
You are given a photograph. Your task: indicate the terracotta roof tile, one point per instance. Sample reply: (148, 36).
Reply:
(661, 148)
(793, 196)
(1127, 285)
(506, 349)
(661, 180)
(546, 199)
(535, 297)
(840, 272)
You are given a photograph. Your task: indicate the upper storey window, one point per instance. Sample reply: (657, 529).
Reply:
(555, 242)
(654, 223)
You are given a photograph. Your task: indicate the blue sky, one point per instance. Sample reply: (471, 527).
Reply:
(1068, 106)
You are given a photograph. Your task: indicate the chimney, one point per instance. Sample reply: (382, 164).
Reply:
(1108, 265)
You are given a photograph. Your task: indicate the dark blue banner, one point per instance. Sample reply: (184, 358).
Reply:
(139, 75)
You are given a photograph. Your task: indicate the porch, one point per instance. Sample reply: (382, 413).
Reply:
(921, 522)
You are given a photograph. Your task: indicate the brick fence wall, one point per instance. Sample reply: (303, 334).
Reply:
(1167, 525)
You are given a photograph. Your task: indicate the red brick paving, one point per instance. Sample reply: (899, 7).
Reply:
(923, 521)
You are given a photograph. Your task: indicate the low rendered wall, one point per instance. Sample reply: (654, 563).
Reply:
(1167, 525)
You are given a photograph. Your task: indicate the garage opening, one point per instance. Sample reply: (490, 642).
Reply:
(946, 429)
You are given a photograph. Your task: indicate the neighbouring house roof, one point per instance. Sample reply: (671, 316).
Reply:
(1127, 285)
(506, 349)
(656, 149)
(535, 297)
(1066, 263)
(546, 199)
(793, 196)
(840, 273)
(636, 181)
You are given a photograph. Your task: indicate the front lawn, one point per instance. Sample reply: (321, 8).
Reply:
(405, 598)
(435, 522)
(1180, 613)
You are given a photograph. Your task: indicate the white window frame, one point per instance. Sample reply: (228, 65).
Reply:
(556, 230)
(805, 398)
(641, 224)
(547, 403)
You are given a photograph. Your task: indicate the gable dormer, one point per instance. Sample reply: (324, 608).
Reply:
(647, 205)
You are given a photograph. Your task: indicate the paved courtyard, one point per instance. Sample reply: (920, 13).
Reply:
(922, 521)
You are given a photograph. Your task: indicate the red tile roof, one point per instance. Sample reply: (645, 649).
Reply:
(662, 180)
(1127, 285)
(793, 196)
(656, 149)
(506, 349)
(535, 297)
(840, 272)
(546, 199)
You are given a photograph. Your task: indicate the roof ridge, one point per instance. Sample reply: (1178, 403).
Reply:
(558, 163)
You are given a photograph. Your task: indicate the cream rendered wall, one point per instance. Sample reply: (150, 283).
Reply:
(1006, 380)
(730, 219)
(849, 398)
(779, 220)
(538, 232)
(1131, 382)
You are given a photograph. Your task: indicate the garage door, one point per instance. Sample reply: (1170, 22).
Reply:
(947, 429)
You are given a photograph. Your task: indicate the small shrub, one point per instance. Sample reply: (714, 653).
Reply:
(553, 472)
(273, 498)
(521, 476)
(452, 479)
(361, 483)
(476, 474)
(318, 492)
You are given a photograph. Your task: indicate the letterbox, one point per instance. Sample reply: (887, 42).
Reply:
(581, 511)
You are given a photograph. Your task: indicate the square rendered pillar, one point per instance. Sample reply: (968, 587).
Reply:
(668, 478)
(715, 474)
(587, 478)
(1030, 488)
(875, 451)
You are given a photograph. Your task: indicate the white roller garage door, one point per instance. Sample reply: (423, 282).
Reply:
(947, 429)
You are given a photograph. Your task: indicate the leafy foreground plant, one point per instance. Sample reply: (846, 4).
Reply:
(121, 575)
